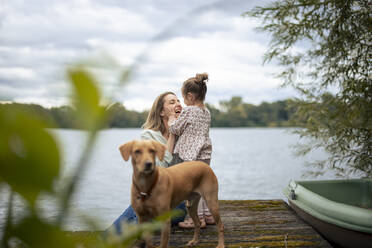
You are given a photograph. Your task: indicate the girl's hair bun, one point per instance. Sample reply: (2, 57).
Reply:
(196, 85)
(201, 77)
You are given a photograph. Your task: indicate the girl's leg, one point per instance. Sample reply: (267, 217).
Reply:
(203, 212)
(202, 208)
(207, 214)
(188, 223)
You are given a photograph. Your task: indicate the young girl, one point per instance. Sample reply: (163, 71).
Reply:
(192, 130)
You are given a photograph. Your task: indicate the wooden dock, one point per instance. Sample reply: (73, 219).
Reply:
(254, 223)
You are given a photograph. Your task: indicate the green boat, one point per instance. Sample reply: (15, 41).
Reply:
(340, 210)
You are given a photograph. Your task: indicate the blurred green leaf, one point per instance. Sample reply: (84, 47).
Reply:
(29, 156)
(86, 99)
(35, 234)
(131, 233)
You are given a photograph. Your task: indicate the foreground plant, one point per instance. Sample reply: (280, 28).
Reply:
(30, 164)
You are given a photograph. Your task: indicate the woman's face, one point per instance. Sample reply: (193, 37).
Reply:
(171, 106)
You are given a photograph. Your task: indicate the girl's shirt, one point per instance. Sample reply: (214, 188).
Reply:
(148, 134)
(192, 127)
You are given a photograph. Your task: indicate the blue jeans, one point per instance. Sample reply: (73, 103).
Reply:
(129, 216)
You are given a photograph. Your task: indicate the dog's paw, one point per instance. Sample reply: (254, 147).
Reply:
(192, 242)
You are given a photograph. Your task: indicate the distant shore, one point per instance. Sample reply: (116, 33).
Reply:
(233, 113)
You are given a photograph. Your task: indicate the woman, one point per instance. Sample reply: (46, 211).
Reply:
(156, 128)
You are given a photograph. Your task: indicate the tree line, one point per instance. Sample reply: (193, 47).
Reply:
(230, 113)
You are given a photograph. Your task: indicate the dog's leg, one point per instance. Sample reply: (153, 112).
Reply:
(192, 208)
(211, 200)
(165, 232)
(146, 239)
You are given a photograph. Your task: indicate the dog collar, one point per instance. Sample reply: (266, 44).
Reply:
(144, 195)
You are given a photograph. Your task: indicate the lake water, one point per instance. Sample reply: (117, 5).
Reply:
(250, 163)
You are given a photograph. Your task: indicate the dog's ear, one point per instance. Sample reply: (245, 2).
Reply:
(160, 149)
(126, 150)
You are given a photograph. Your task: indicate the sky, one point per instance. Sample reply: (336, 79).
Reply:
(168, 41)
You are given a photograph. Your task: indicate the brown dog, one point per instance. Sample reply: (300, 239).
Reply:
(156, 190)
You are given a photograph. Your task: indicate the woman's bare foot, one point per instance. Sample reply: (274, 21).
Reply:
(189, 223)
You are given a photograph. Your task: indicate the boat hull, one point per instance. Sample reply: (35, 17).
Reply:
(335, 235)
(340, 210)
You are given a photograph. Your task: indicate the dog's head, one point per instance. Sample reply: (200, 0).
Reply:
(143, 154)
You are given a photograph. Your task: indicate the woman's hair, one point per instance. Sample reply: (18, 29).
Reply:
(154, 120)
(196, 85)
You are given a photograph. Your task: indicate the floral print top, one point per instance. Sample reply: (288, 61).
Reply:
(192, 127)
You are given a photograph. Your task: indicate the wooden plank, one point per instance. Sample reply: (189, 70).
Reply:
(256, 223)
(250, 223)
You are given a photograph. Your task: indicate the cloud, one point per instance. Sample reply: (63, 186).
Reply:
(16, 73)
(70, 23)
(176, 40)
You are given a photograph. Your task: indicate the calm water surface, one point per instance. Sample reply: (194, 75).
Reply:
(250, 163)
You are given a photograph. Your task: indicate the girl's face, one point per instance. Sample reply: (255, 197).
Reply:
(171, 106)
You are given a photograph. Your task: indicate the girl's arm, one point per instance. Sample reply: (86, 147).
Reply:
(170, 142)
(177, 126)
